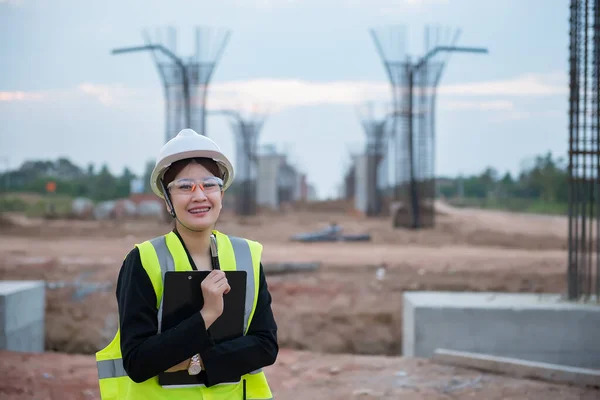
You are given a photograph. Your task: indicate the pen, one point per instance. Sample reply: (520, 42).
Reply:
(214, 253)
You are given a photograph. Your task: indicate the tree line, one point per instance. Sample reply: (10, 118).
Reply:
(71, 180)
(543, 180)
(541, 185)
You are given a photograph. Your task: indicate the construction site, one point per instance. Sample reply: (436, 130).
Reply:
(387, 292)
(340, 324)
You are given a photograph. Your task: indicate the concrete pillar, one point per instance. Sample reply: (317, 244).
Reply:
(361, 183)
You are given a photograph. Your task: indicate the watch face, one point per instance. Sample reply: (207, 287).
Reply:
(194, 369)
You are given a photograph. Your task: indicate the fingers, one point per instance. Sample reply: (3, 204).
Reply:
(223, 287)
(215, 275)
(216, 283)
(220, 282)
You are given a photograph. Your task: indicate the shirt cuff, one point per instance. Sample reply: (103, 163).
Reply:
(201, 337)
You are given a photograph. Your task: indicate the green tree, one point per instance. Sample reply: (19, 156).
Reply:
(124, 183)
(105, 185)
(147, 174)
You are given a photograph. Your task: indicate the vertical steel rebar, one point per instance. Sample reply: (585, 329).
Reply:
(584, 158)
(574, 216)
(583, 278)
(597, 142)
(570, 265)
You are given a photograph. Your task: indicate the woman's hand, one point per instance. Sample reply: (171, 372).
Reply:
(180, 367)
(214, 286)
(183, 366)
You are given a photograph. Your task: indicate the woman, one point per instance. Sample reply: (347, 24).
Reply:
(191, 175)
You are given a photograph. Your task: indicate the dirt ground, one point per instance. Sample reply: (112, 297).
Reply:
(297, 375)
(343, 307)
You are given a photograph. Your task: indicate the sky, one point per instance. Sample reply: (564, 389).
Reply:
(311, 63)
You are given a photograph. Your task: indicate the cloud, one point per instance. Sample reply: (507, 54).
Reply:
(112, 95)
(278, 94)
(469, 105)
(555, 83)
(519, 115)
(18, 96)
(109, 95)
(285, 93)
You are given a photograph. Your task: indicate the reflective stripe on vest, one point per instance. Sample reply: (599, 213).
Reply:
(166, 262)
(243, 259)
(115, 369)
(111, 368)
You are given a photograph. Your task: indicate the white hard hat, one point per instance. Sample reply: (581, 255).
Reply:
(189, 144)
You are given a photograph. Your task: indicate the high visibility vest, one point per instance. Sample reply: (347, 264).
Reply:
(166, 253)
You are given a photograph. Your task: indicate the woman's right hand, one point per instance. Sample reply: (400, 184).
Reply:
(214, 286)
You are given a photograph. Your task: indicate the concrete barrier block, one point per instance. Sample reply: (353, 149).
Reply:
(519, 368)
(22, 310)
(29, 338)
(533, 327)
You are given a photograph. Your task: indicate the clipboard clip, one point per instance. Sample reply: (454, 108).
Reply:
(214, 252)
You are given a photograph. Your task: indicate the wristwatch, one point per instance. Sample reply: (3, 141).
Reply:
(195, 367)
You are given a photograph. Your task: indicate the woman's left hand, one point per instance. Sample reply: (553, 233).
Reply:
(182, 366)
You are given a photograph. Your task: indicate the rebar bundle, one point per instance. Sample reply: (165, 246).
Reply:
(186, 80)
(584, 152)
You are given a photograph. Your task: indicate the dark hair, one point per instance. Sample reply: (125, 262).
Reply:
(175, 168)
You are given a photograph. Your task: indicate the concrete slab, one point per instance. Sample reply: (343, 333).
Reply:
(22, 311)
(535, 327)
(519, 368)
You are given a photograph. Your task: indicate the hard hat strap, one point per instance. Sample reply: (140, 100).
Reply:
(168, 199)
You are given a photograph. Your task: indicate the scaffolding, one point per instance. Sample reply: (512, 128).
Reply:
(583, 273)
(414, 87)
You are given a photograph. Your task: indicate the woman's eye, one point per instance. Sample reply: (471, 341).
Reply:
(209, 184)
(185, 186)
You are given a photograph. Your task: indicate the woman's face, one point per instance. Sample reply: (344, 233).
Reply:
(197, 210)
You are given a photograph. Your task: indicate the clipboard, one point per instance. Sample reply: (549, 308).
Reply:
(182, 298)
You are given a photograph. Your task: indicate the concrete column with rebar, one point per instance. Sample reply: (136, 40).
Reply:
(413, 92)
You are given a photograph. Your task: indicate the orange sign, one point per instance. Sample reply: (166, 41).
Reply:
(51, 187)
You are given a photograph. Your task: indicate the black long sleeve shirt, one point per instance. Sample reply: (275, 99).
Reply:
(146, 353)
